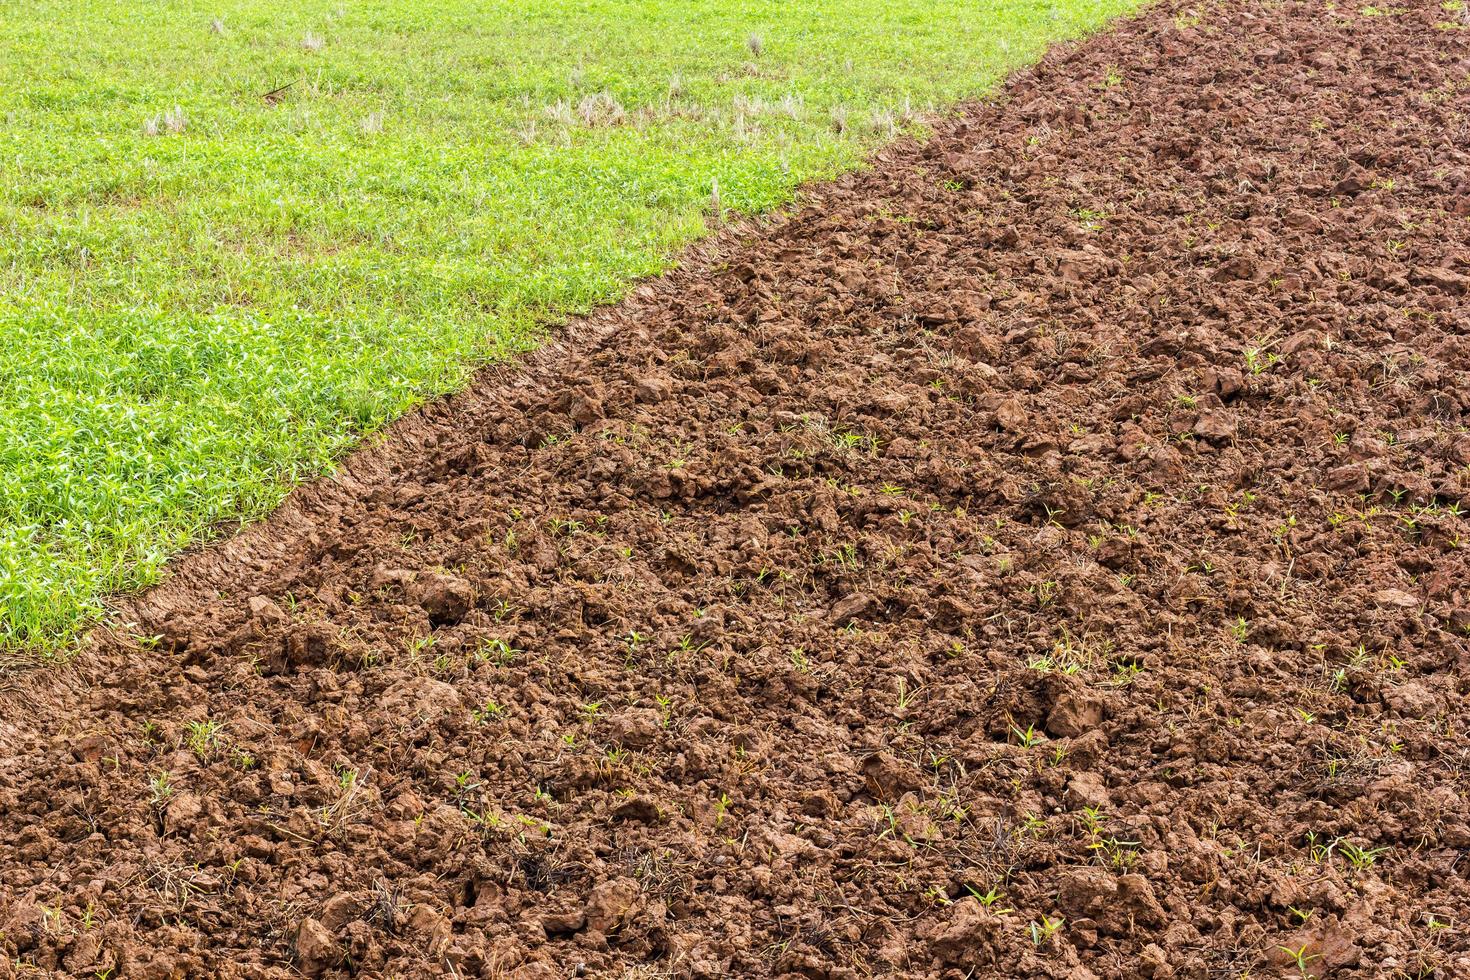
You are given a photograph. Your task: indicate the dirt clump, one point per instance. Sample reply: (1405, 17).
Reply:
(1042, 554)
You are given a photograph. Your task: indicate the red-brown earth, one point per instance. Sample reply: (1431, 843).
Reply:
(1041, 555)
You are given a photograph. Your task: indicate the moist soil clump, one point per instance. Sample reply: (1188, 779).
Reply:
(1040, 555)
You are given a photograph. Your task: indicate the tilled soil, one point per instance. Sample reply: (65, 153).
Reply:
(1042, 555)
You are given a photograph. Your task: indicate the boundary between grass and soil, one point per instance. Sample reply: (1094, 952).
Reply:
(245, 539)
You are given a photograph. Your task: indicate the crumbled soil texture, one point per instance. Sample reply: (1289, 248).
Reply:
(1042, 555)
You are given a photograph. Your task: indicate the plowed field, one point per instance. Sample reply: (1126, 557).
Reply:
(1040, 555)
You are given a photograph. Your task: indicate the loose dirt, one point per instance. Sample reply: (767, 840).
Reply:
(1042, 555)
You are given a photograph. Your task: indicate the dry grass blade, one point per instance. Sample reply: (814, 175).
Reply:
(179, 884)
(352, 804)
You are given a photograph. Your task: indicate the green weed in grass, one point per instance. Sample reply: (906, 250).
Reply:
(235, 237)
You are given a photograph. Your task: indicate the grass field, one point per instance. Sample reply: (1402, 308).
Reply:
(234, 238)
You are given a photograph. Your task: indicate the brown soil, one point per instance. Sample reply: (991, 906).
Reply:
(1068, 511)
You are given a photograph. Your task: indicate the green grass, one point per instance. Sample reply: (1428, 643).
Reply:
(191, 321)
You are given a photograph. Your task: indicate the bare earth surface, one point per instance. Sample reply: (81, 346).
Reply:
(1044, 555)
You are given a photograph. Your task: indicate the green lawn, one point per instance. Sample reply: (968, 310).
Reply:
(199, 307)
